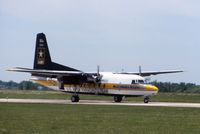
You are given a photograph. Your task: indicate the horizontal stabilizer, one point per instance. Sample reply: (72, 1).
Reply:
(46, 72)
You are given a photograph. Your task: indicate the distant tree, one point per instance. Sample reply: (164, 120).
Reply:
(177, 87)
(24, 85)
(27, 85)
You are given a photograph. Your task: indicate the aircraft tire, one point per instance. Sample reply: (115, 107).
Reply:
(146, 99)
(75, 98)
(118, 98)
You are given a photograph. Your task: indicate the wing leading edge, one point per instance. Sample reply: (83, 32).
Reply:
(149, 73)
(72, 73)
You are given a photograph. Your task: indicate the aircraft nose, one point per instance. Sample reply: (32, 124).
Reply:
(155, 88)
(152, 88)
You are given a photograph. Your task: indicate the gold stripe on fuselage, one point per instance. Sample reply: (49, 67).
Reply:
(138, 87)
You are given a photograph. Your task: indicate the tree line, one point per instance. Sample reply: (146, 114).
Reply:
(177, 87)
(163, 86)
(23, 85)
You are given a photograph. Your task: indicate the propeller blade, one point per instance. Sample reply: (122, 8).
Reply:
(98, 77)
(98, 68)
(140, 70)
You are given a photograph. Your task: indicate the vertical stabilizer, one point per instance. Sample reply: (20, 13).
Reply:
(42, 56)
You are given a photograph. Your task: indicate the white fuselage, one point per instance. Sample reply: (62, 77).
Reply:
(111, 84)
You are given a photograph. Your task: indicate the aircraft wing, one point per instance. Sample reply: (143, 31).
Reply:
(149, 73)
(46, 72)
(75, 75)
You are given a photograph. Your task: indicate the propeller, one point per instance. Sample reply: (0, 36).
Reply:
(99, 76)
(98, 68)
(95, 77)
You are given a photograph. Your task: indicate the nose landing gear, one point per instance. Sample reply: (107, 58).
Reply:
(146, 99)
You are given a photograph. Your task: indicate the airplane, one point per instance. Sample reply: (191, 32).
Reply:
(66, 79)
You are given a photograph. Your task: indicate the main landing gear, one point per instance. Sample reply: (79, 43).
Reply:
(118, 98)
(75, 98)
(146, 99)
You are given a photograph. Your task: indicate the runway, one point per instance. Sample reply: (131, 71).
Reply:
(101, 102)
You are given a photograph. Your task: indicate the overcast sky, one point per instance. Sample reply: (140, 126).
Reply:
(115, 34)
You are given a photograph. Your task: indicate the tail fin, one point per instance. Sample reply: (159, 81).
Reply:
(42, 56)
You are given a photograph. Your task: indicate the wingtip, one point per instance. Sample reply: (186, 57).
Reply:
(12, 69)
(180, 71)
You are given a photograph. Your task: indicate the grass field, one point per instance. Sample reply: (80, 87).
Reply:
(87, 119)
(34, 94)
(91, 119)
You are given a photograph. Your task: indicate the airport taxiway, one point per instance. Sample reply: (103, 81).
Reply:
(100, 102)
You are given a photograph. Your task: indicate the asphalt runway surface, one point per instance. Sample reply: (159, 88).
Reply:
(101, 102)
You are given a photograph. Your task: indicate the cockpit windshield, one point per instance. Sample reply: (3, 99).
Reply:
(137, 82)
(140, 81)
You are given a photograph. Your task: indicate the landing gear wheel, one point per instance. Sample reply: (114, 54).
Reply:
(118, 98)
(75, 98)
(146, 99)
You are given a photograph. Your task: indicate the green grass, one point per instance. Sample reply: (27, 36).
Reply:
(177, 97)
(90, 119)
(34, 94)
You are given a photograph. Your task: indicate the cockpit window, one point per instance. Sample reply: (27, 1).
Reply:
(140, 81)
(137, 81)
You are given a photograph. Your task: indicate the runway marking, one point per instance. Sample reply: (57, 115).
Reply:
(101, 102)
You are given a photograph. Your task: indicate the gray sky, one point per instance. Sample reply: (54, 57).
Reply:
(115, 34)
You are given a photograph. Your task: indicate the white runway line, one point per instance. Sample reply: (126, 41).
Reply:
(101, 102)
